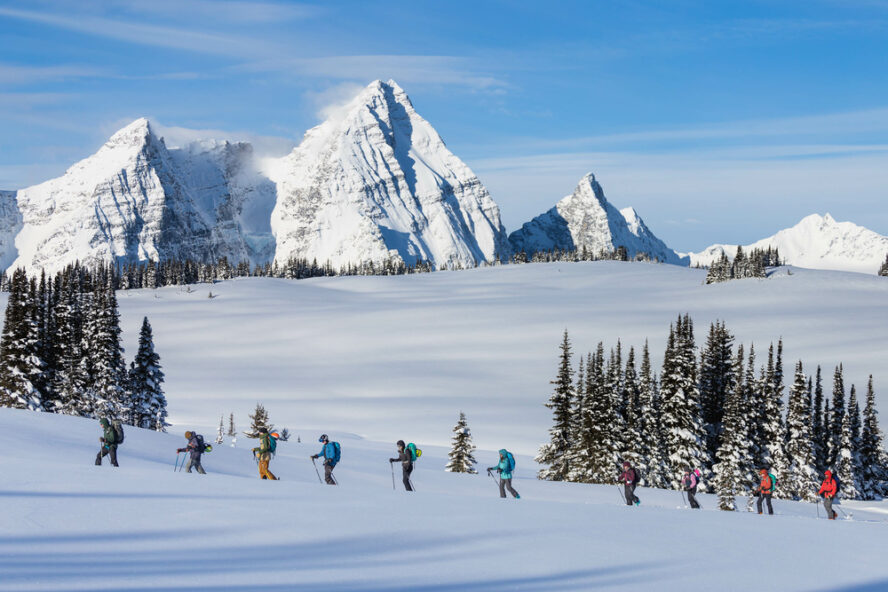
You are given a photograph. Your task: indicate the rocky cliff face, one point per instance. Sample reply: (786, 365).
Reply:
(586, 220)
(377, 182)
(136, 200)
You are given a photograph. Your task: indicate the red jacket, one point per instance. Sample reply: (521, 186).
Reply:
(829, 487)
(628, 476)
(766, 486)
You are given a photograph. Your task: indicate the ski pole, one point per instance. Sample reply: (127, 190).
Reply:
(684, 502)
(392, 465)
(841, 510)
(316, 470)
(412, 486)
(622, 497)
(817, 504)
(176, 468)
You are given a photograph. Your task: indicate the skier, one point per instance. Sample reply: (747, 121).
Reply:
(828, 491)
(406, 463)
(195, 447)
(504, 468)
(109, 443)
(328, 451)
(765, 490)
(264, 454)
(689, 483)
(629, 479)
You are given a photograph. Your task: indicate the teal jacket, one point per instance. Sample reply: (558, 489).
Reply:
(503, 465)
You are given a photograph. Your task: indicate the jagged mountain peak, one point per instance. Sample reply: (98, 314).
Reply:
(585, 220)
(374, 182)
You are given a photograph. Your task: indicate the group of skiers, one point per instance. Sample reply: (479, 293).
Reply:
(112, 437)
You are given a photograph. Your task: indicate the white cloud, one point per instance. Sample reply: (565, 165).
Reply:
(175, 136)
(12, 74)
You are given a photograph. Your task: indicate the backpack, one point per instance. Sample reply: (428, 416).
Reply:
(272, 443)
(838, 484)
(698, 476)
(118, 431)
(773, 482)
(201, 446)
(637, 477)
(510, 462)
(336, 453)
(414, 451)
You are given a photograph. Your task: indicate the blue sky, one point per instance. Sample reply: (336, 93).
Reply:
(717, 121)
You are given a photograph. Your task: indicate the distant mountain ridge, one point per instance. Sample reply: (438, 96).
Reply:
(585, 220)
(816, 242)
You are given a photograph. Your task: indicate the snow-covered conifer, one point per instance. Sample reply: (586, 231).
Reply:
(774, 426)
(734, 471)
(462, 459)
(801, 476)
(818, 430)
(836, 417)
(553, 454)
(146, 380)
(883, 270)
(716, 379)
(656, 474)
(848, 462)
(20, 367)
(258, 419)
(632, 426)
(220, 433)
(872, 456)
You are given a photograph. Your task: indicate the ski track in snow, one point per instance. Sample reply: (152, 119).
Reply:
(370, 360)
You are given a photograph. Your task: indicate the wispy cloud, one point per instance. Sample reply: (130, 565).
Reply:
(146, 34)
(12, 74)
(238, 12)
(176, 137)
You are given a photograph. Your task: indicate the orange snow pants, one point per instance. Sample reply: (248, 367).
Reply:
(264, 459)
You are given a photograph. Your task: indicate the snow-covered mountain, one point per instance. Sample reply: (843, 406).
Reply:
(376, 181)
(135, 199)
(817, 242)
(10, 225)
(585, 219)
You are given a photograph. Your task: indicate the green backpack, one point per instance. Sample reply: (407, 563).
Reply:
(414, 451)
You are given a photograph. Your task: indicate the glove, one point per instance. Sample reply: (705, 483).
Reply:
(391, 460)
(101, 439)
(314, 456)
(180, 450)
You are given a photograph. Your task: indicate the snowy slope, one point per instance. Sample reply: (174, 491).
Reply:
(586, 220)
(135, 199)
(376, 181)
(10, 225)
(69, 525)
(817, 242)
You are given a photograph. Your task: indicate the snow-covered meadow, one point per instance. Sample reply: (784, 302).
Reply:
(370, 360)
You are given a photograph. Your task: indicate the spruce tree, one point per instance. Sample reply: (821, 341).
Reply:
(801, 477)
(21, 369)
(633, 443)
(258, 419)
(872, 456)
(774, 427)
(106, 373)
(146, 380)
(837, 417)
(554, 453)
(734, 471)
(598, 440)
(848, 462)
(883, 270)
(220, 432)
(817, 426)
(716, 379)
(231, 429)
(681, 421)
(461, 455)
(652, 435)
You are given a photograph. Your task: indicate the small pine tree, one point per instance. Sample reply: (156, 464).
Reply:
(145, 382)
(259, 419)
(848, 462)
(220, 433)
(232, 432)
(461, 457)
(836, 417)
(872, 460)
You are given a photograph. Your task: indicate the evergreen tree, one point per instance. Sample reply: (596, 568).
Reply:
(231, 429)
(848, 462)
(801, 477)
(734, 471)
(883, 270)
(837, 417)
(21, 369)
(652, 436)
(598, 442)
(681, 420)
(872, 456)
(633, 443)
(258, 419)
(461, 455)
(146, 379)
(774, 427)
(220, 433)
(106, 373)
(817, 426)
(554, 453)
(716, 379)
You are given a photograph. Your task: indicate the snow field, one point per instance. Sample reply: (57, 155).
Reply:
(69, 525)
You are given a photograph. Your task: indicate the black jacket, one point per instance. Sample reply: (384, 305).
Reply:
(405, 459)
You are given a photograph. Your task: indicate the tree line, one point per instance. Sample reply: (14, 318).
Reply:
(719, 411)
(743, 265)
(60, 351)
(883, 270)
